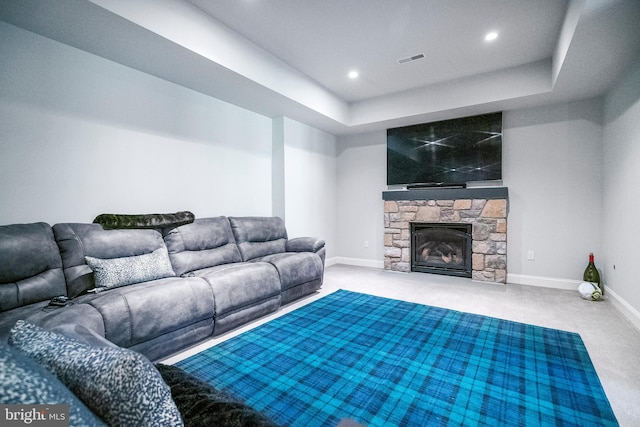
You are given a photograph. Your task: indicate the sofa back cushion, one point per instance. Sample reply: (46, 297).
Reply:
(259, 236)
(77, 241)
(30, 265)
(204, 243)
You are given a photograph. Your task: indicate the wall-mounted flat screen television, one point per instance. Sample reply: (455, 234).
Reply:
(448, 152)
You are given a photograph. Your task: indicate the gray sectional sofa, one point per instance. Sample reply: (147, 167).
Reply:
(158, 289)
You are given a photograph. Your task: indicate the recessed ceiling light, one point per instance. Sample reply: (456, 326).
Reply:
(491, 36)
(353, 74)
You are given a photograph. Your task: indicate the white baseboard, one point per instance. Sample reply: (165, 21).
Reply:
(359, 262)
(624, 308)
(542, 281)
(330, 261)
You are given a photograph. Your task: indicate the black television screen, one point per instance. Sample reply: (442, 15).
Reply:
(449, 152)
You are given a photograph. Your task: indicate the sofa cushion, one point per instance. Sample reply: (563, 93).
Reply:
(119, 385)
(138, 313)
(163, 346)
(258, 236)
(242, 285)
(201, 404)
(10, 317)
(24, 381)
(205, 243)
(30, 265)
(296, 268)
(68, 318)
(116, 272)
(242, 292)
(76, 241)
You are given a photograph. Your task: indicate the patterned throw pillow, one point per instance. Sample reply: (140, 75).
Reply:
(119, 385)
(23, 381)
(116, 272)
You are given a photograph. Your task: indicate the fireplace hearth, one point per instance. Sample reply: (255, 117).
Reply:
(441, 248)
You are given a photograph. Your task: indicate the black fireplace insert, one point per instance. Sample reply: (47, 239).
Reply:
(441, 248)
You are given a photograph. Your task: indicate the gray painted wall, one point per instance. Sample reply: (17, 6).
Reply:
(362, 169)
(80, 136)
(552, 166)
(621, 199)
(310, 183)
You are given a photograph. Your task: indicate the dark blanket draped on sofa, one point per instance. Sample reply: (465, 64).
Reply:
(203, 405)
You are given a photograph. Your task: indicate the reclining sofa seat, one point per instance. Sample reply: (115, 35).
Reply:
(299, 261)
(242, 291)
(155, 317)
(30, 271)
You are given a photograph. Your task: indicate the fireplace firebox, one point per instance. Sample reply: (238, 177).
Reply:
(441, 248)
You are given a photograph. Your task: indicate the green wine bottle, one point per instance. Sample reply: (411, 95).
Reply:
(591, 273)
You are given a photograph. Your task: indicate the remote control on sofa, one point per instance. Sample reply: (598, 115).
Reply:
(59, 301)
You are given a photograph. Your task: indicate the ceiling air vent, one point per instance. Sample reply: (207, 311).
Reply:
(411, 58)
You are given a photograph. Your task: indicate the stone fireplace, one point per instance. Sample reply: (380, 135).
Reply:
(484, 209)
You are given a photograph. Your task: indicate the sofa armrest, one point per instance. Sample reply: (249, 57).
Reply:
(304, 244)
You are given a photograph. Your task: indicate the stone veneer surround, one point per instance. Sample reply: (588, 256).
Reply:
(489, 236)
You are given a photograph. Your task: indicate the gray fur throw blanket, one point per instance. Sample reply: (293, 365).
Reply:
(116, 221)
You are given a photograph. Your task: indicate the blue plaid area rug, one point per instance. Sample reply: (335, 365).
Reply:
(384, 362)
